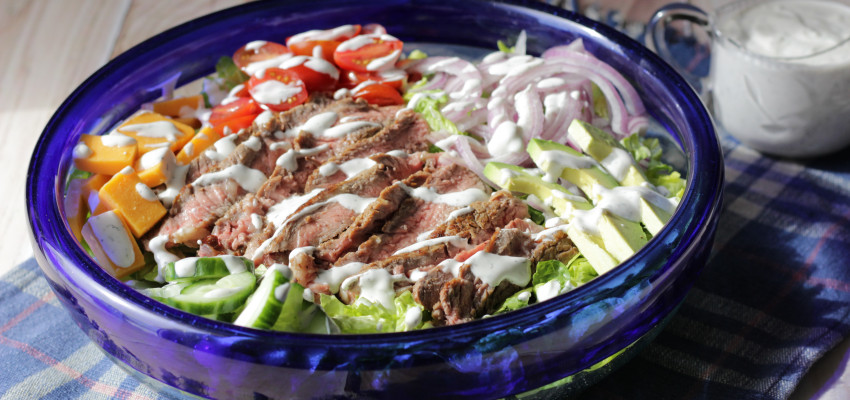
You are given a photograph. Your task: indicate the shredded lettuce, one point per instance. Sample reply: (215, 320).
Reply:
(647, 152)
(363, 316)
(229, 74)
(429, 106)
(554, 277)
(536, 216)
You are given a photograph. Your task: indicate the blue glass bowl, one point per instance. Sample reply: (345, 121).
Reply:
(561, 344)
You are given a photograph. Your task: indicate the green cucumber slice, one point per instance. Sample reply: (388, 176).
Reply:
(263, 308)
(290, 313)
(166, 291)
(191, 269)
(214, 296)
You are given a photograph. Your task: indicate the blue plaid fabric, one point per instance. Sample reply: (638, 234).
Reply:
(774, 297)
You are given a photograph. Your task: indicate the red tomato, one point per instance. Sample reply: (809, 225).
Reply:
(307, 48)
(379, 94)
(316, 73)
(465, 254)
(258, 51)
(356, 53)
(239, 108)
(278, 89)
(392, 77)
(235, 124)
(303, 44)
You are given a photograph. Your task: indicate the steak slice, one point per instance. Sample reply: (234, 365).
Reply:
(329, 213)
(191, 218)
(448, 188)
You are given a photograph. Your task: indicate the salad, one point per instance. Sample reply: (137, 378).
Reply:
(334, 183)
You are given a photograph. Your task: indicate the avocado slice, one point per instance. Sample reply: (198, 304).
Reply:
(516, 179)
(605, 149)
(565, 162)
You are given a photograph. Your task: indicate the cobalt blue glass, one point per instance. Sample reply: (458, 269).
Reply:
(560, 345)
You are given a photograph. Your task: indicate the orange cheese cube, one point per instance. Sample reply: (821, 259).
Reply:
(103, 156)
(153, 131)
(115, 250)
(75, 213)
(134, 201)
(203, 139)
(156, 167)
(90, 189)
(193, 122)
(180, 106)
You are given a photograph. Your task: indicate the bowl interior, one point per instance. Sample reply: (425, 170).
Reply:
(643, 287)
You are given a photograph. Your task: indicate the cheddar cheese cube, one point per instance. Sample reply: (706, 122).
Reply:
(114, 249)
(156, 167)
(134, 201)
(75, 212)
(103, 155)
(200, 142)
(180, 106)
(193, 122)
(153, 131)
(91, 187)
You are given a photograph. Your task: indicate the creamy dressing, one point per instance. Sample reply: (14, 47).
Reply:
(263, 118)
(350, 168)
(317, 34)
(280, 214)
(117, 139)
(256, 221)
(289, 161)
(254, 143)
(157, 129)
(376, 285)
(507, 138)
(333, 277)
(258, 68)
(274, 92)
(492, 269)
(455, 241)
(222, 148)
(113, 238)
(82, 151)
(617, 163)
(347, 128)
(454, 199)
(384, 62)
(145, 192)
(175, 182)
(255, 45)
(161, 255)
(315, 125)
(220, 292)
(281, 291)
(412, 318)
(248, 178)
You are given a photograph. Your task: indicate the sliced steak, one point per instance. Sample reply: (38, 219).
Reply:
(448, 188)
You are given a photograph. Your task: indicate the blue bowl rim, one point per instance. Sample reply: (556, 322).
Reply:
(700, 147)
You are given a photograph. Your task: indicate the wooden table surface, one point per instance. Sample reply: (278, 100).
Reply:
(51, 46)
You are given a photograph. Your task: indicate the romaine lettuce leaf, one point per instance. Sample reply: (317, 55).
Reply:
(363, 316)
(647, 152)
(229, 74)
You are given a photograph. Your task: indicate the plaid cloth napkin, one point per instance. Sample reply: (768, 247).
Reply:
(774, 297)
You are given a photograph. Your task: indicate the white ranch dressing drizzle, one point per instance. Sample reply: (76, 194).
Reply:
(156, 129)
(161, 255)
(258, 68)
(175, 182)
(255, 45)
(316, 124)
(281, 291)
(274, 91)
(417, 274)
(346, 128)
(113, 238)
(153, 158)
(383, 62)
(222, 148)
(492, 269)
(507, 138)
(451, 266)
(455, 241)
(145, 192)
(412, 318)
(117, 139)
(220, 292)
(256, 221)
(82, 151)
(280, 214)
(376, 285)
(333, 277)
(248, 178)
(317, 64)
(550, 289)
(363, 40)
(617, 163)
(253, 143)
(263, 118)
(289, 160)
(455, 199)
(349, 168)
(318, 34)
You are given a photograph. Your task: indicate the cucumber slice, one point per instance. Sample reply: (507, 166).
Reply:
(166, 291)
(290, 313)
(191, 269)
(263, 308)
(214, 296)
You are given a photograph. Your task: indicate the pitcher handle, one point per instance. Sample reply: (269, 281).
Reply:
(658, 43)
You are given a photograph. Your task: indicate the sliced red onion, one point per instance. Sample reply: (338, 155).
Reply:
(529, 110)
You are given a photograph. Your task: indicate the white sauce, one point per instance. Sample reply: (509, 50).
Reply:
(263, 118)
(507, 138)
(344, 129)
(145, 192)
(385, 62)
(350, 168)
(492, 269)
(255, 45)
(455, 241)
(113, 238)
(548, 290)
(256, 221)
(248, 178)
(412, 318)
(82, 151)
(157, 129)
(117, 139)
(258, 68)
(253, 143)
(617, 163)
(455, 199)
(175, 182)
(274, 92)
(363, 40)
(333, 277)
(281, 291)
(315, 125)
(317, 34)
(161, 255)
(376, 285)
(222, 148)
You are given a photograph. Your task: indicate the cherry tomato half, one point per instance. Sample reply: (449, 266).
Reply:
(316, 73)
(278, 89)
(379, 94)
(304, 44)
(357, 53)
(235, 124)
(258, 50)
(392, 77)
(238, 108)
